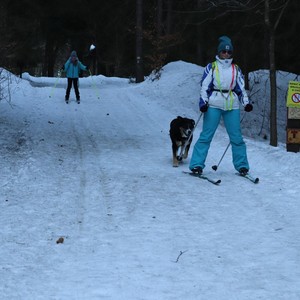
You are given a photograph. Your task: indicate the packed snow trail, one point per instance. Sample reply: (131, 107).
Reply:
(100, 175)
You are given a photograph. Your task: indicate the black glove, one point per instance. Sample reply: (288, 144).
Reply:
(204, 108)
(248, 107)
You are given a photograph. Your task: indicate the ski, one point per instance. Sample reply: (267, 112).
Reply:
(213, 181)
(248, 176)
(77, 101)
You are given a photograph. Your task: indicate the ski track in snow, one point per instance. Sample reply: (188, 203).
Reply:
(100, 175)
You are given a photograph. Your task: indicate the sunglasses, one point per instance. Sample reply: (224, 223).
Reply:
(226, 51)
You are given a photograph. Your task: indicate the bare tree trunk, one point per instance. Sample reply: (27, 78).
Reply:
(273, 86)
(159, 18)
(48, 69)
(199, 54)
(169, 16)
(139, 41)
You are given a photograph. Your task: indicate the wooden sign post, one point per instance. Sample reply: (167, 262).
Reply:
(293, 117)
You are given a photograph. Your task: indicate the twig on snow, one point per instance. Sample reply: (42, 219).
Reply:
(181, 252)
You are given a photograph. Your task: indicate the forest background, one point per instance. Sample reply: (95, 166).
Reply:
(38, 35)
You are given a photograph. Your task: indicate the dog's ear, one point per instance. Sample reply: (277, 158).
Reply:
(179, 117)
(193, 122)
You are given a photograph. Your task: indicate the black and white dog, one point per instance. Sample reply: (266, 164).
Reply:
(180, 131)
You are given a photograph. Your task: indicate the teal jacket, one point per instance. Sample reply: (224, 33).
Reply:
(72, 70)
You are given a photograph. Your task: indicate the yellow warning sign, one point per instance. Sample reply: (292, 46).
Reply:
(293, 96)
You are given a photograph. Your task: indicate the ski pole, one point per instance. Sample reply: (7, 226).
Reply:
(55, 84)
(179, 157)
(215, 167)
(94, 85)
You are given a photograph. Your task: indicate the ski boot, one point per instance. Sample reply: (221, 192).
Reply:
(197, 170)
(243, 171)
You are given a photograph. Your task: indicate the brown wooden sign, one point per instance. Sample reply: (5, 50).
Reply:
(293, 136)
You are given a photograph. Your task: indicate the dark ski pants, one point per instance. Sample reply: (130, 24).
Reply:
(73, 81)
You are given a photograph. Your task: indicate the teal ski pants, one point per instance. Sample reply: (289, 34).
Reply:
(211, 121)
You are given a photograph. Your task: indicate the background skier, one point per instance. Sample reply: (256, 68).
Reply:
(72, 68)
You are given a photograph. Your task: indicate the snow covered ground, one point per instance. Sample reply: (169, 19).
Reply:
(100, 176)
